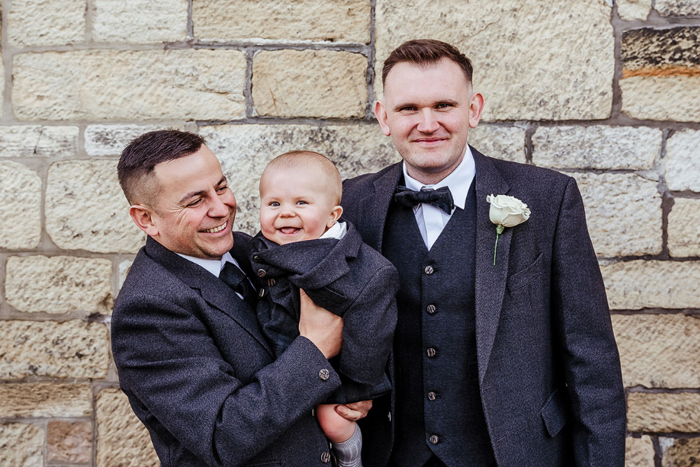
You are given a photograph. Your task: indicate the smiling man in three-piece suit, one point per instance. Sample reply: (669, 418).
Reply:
(190, 353)
(504, 352)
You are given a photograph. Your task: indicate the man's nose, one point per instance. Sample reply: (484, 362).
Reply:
(218, 208)
(428, 123)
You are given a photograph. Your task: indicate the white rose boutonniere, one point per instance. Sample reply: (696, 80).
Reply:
(506, 211)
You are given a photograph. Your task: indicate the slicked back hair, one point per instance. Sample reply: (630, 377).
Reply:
(140, 157)
(423, 52)
(303, 159)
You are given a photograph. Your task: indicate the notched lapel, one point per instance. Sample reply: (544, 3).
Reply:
(376, 206)
(214, 291)
(223, 298)
(490, 279)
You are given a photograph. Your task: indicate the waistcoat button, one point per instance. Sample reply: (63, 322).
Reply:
(429, 270)
(431, 396)
(325, 457)
(431, 309)
(261, 273)
(431, 352)
(271, 282)
(434, 439)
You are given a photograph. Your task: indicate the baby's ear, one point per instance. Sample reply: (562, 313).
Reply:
(335, 215)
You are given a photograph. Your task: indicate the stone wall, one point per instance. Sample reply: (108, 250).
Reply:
(607, 93)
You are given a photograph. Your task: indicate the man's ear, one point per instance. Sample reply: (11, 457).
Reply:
(335, 215)
(143, 218)
(380, 113)
(475, 108)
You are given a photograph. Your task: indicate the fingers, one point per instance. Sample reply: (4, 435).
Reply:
(354, 411)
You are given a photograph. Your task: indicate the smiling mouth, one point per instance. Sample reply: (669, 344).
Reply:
(217, 229)
(289, 230)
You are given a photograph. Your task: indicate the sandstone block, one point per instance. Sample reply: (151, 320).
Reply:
(129, 84)
(110, 140)
(633, 285)
(661, 74)
(682, 453)
(501, 142)
(46, 22)
(639, 452)
(683, 230)
(633, 227)
(663, 413)
(139, 21)
(71, 349)
(683, 161)
(631, 10)
(520, 74)
(69, 441)
(86, 208)
(282, 21)
(124, 268)
(596, 147)
(26, 400)
(36, 140)
(22, 445)
(121, 438)
(310, 83)
(58, 284)
(659, 351)
(677, 7)
(245, 150)
(20, 206)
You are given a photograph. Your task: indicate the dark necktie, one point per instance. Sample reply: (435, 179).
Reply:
(238, 281)
(440, 198)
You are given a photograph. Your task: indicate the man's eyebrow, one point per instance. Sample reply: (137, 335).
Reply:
(193, 194)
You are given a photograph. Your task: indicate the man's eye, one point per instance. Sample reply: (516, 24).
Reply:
(443, 106)
(407, 108)
(194, 203)
(222, 188)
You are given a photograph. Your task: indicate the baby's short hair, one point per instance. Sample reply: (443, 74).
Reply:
(303, 158)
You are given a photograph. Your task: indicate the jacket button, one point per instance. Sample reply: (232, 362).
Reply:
(324, 374)
(431, 396)
(429, 270)
(261, 294)
(433, 439)
(325, 457)
(261, 273)
(256, 258)
(388, 416)
(271, 282)
(431, 352)
(431, 309)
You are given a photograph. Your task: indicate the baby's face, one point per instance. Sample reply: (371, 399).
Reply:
(296, 204)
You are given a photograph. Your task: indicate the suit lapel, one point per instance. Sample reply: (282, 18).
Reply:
(375, 206)
(214, 291)
(490, 279)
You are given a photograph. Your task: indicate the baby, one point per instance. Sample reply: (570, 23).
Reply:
(303, 245)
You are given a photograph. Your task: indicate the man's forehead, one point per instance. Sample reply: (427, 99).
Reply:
(406, 74)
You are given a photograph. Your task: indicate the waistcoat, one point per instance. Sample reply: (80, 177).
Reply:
(438, 406)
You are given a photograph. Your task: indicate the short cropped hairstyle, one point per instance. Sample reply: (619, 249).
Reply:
(426, 52)
(141, 156)
(302, 159)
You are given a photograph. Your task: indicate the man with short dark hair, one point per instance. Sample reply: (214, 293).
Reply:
(504, 352)
(190, 354)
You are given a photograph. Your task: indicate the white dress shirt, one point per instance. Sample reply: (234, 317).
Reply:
(432, 220)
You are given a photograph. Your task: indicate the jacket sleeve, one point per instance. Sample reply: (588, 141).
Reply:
(368, 328)
(170, 364)
(590, 356)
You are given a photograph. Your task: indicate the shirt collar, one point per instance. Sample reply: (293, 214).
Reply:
(214, 266)
(337, 231)
(458, 181)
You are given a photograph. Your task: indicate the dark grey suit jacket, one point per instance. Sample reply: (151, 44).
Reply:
(549, 370)
(201, 377)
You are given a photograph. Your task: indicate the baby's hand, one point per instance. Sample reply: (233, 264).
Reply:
(354, 411)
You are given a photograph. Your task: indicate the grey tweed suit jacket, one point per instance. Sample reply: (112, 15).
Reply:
(201, 377)
(549, 369)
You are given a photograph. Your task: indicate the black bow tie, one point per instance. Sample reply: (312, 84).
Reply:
(440, 198)
(238, 281)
